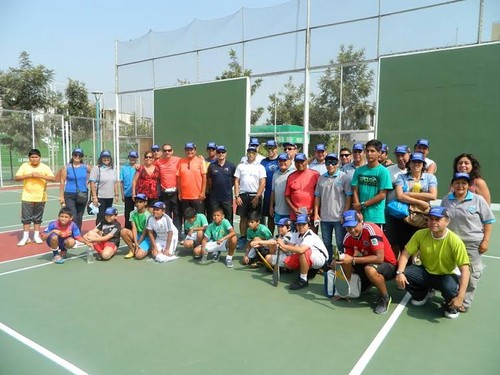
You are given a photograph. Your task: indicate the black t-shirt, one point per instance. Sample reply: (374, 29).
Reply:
(107, 228)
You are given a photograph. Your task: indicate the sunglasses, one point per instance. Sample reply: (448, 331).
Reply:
(289, 148)
(331, 162)
(77, 155)
(148, 157)
(221, 152)
(167, 150)
(345, 155)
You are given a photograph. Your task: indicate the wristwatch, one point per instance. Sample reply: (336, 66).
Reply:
(363, 205)
(400, 272)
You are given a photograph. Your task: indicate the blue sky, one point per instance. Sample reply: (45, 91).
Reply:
(77, 38)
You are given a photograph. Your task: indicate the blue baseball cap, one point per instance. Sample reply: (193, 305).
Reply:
(350, 218)
(133, 154)
(302, 219)
(283, 157)
(422, 142)
(141, 197)
(111, 211)
(189, 146)
(385, 148)
(251, 149)
(300, 157)
(332, 156)
(271, 144)
(358, 147)
(221, 148)
(78, 151)
(105, 153)
(254, 142)
(461, 176)
(438, 212)
(286, 144)
(211, 145)
(320, 147)
(401, 149)
(284, 221)
(155, 148)
(417, 156)
(159, 204)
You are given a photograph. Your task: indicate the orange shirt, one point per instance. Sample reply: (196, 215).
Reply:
(191, 173)
(168, 171)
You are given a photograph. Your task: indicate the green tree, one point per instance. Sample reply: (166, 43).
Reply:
(77, 96)
(287, 105)
(235, 70)
(357, 84)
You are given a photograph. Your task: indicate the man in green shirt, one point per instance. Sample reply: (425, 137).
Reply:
(437, 253)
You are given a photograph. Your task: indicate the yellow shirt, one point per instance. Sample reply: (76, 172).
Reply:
(34, 189)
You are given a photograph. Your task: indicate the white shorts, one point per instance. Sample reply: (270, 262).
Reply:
(281, 260)
(160, 245)
(192, 236)
(317, 259)
(213, 246)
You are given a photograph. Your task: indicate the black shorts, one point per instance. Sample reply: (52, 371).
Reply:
(32, 212)
(246, 208)
(387, 270)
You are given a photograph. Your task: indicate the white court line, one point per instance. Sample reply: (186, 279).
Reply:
(27, 257)
(38, 265)
(491, 256)
(381, 335)
(40, 349)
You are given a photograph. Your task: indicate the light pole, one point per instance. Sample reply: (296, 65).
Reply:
(97, 96)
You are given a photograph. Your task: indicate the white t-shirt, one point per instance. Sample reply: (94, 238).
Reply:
(249, 176)
(161, 227)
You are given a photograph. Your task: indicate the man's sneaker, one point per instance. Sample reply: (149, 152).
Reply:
(450, 312)
(216, 256)
(383, 304)
(229, 263)
(204, 258)
(299, 284)
(129, 255)
(38, 240)
(242, 241)
(423, 301)
(23, 242)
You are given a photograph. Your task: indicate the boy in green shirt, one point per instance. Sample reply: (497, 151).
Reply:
(256, 232)
(219, 236)
(137, 238)
(194, 226)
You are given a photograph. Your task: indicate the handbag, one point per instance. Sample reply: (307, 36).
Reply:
(398, 209)
(417, 217)
(82, 197)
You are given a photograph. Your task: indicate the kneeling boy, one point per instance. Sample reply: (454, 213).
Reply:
(105, 238)
(163, 234)
(137, 238)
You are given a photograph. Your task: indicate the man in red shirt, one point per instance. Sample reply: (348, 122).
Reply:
(300, 187)
(369, 253)
(168, 165)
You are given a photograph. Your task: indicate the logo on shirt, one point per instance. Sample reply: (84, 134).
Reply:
(367, 180)
(374, 241)
(471, 209)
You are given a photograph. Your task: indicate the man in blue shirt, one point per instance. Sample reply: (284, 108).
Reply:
(127, 174)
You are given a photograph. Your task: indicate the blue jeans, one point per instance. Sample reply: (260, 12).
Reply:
(327, 228)
(420, 282)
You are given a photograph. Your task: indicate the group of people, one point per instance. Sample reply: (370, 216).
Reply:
(342, 197)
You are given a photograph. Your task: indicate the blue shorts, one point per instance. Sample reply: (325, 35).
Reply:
(145, 245)
(60, 241)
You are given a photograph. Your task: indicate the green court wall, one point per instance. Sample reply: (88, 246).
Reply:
(207, 112)
(452, 98)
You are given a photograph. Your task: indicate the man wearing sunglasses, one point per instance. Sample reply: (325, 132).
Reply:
(344, 156)
(358, 159)
(168, 165)
(332, 198)
(291, 149)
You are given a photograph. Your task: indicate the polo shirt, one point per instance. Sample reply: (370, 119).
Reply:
(300, 188)
(221, 181)
(332, 191)
(249, 176)
(191, 173)
(168, 171)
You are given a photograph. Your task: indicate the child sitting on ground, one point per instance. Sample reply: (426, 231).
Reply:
(284, 226)
(163, 234)
(137, 238)
(219, 236)
(105, 238)
(194, 227)
(256, 232)
(62, 234)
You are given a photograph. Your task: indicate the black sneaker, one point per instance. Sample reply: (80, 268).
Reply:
(383, 304)
(299, 284)
(450, 312)
(311, 274)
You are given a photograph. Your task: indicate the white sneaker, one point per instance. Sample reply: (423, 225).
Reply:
(23, 242)
(79, 244)
(38, 240)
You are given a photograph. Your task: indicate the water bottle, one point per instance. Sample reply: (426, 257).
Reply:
(90, 255)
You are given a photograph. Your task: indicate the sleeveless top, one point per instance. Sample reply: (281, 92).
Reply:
(80, 173)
